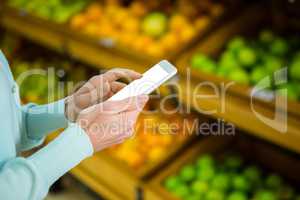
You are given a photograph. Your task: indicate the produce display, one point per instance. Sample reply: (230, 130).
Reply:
(55, 10)
(248, 61)
(56, 70)
(153, 27)
(155, 134)
(228, 178)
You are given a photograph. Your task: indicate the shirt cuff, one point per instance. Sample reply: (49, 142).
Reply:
(65, 152)
(42, 119)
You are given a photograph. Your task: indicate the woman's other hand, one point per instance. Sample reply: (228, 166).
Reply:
(111, 122)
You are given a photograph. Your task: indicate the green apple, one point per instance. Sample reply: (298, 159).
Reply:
(215, 195)
(205, 161)
(155, 24)
(236, 44)
(205, 174)
(272, 63)
(258, 73)
(172, 183)
(182, 191)
(266, 36)
(247, 56)
(253, 174)
(221, 182)
(273, 181)
(279, 47)
(239, 76)
(228, 60)
(236, 195)
(265, 195)
(199, 187)
(293, 90)
(193, 197)
(233, 162)
(198, 60)
(187, 173)
(240, 183)
(294, 70)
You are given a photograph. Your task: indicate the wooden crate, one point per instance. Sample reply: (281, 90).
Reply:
(114, 179)
(264, 154)
(248, 24)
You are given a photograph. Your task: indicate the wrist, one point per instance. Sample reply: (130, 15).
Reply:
(70, 109)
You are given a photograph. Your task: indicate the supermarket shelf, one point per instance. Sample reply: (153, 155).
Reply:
(238, 111)
(237, 100)
(61, 38)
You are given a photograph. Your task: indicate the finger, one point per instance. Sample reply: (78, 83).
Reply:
(117, 86)
(128, 104)
(118, 73)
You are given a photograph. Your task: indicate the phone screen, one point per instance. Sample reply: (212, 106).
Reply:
(151, 80)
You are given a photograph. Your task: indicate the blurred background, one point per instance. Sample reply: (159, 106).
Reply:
(208, 40)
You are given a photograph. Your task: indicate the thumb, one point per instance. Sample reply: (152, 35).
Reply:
(128, 104)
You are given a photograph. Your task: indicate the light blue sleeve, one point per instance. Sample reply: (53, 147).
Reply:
(39, 120)
(30, 179)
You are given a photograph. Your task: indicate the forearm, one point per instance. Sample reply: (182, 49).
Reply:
(39, 120)
(31, 178)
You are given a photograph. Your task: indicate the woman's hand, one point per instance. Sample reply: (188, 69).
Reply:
(111, 122)
(96, 90)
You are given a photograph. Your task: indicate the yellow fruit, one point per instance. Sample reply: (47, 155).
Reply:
(169, 41)
(155, 50)
(142, 42)
(134, 159)
(138, 9)
(202, 22)
(166, 140)
(91, 29)
(187, 33)
(106, 30)
(119, 17)
(131, 25)
(156, 153)
(78, 21)
(94, 12)
(177, 22)
(127, 38)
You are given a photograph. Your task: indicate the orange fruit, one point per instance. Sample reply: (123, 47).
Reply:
(169, 41)
(131, 25)
(94, 12)
(166, 140)
(177, 22)
(134, 159)
(187, 33)
(156, 153)
(202, 22)
(141, 42)
(91, 29)
(138, 9)
(155, 50)
(78, 21)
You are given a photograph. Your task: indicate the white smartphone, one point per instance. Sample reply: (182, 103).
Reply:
(152, 79)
